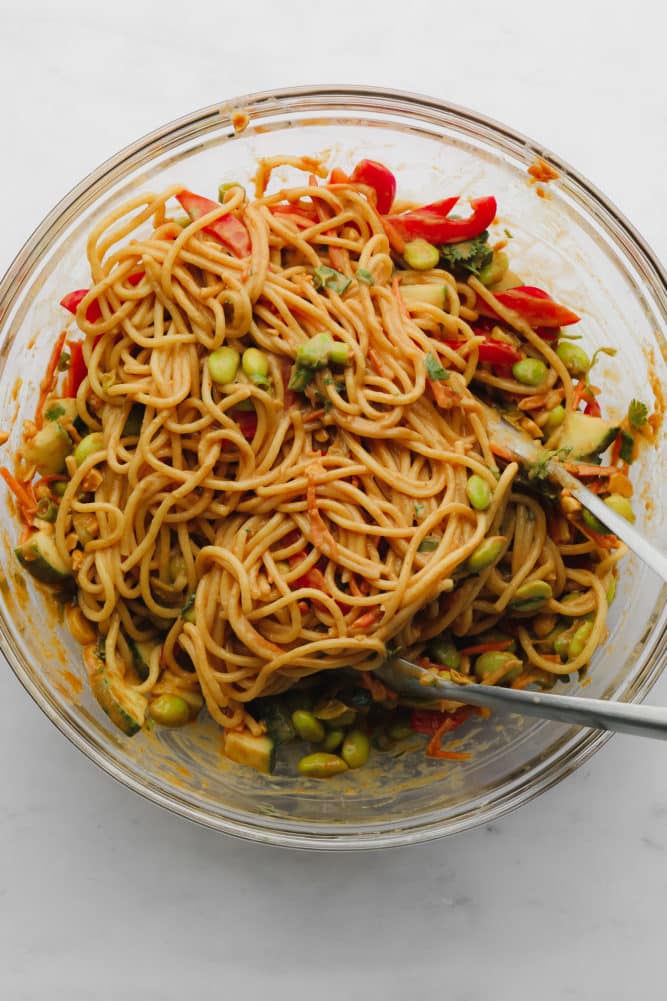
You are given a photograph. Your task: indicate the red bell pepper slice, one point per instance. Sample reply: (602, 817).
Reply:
(378, 177)
(429, 721)
(247, 423)
(535, 306)
(71, 302)
(77, 370)
(432, 223)
(228, 229)
(498, 353)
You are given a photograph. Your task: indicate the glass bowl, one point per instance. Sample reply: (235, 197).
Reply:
(572, 240)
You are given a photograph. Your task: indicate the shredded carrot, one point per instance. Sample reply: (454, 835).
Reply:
(469, 651)
(501, 452)
(525, 680)
(23, 492)
(396, 290)
(321, 536)
(396, 241)
(49, 380)
(434, 746)
(367, 620)
(444, 396)
(583, 469)
(379, 691)
(378, 364)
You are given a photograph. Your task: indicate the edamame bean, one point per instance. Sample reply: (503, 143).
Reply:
(223, 364)
(574, 358)
(530, 371)
(441, 649)
(420, 255)
(169, 710)
(486, 554)
(321, 765)
(494, 661)
(479, 492)
(621, 505)
(333, 740)
(356, 748)
(555, 418)
(531, 596)
(255, 364)
(88, 446)
(307, 726)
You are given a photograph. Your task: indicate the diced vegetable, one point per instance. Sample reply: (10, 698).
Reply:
(434, 369)
(258, 752)
(62, 410)
(531, 596)
(326, 277)
(48, 449)
(308, 726)
(40, 557)
(77, 370)
(142, 653)
(478, 492)
(275, 715)
(584, 435)
(496, 269)
(125, 707)
(498, 353)
(435, 295)
(88, 446)
(621, 505)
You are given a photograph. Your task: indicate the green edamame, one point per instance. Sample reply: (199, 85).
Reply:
(356, 749)
(574, 358)
(494, 661)
(307, 726)
(530, 371)
(321, 765)
(478, 492)
(169, 710)
(486, 554)
(223, 364)
(531, 596)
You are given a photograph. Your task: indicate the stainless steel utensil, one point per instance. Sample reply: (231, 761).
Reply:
(527, 450)
(420, 683)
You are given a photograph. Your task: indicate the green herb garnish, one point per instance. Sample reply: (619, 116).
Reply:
(434, 369)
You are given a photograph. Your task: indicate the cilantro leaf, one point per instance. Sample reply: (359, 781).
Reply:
(467, 257)
(434, 369)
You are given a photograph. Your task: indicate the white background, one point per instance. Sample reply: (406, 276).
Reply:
(103, 895)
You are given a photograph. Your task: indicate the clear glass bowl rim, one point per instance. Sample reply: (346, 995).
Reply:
(349, 99)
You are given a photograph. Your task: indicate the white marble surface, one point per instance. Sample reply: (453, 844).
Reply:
(103, 895)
